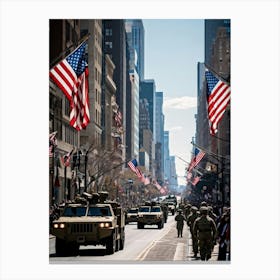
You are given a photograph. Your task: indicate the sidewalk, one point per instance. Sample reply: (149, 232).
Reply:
(214, 255)
(171, 248)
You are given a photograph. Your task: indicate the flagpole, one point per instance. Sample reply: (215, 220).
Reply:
(65, 183)
(59, 57)
(209, 153)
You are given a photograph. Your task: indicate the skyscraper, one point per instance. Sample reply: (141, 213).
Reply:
(135, 29)
(115, 45)
(147, 91)
(159, 135)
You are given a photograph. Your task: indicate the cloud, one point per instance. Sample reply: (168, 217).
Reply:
(175, 128)
(181, 103)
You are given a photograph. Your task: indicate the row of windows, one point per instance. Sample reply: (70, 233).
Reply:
(97, 56)
(97, 76)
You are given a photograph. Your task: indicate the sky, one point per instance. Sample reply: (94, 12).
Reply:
(173, 47)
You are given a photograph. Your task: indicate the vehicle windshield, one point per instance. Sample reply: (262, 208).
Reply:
(132, 211)
(99, 211)
(155, 209)
(144, 209)
(74, 211)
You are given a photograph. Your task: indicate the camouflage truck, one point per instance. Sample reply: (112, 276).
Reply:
(91, 220)
(150, 214)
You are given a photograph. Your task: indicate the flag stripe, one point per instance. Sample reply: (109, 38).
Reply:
(218, 98)
(215, 102)
(65, 76)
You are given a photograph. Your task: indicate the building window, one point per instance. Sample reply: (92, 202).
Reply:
(109, 45)
(108, 32)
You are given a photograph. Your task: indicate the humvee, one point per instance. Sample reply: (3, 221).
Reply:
(150, 214)
(90, 221)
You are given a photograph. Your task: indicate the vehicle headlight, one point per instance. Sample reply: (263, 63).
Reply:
(58, 225)
(104, 225)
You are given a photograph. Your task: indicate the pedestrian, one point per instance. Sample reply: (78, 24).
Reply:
(223, 229)
(190, 222)
(205, 231)
(179, 218)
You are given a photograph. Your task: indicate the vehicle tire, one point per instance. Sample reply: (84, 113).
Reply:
(60, 247)
(73, 249)
(122, 239)
(159, 225)
(111, 244)
(117, 246)
(173, 212)
(140, 225)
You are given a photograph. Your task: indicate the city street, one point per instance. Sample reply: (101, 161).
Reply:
(141, 245)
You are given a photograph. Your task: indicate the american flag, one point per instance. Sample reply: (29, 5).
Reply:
(79, 114)
(71, 76)
(158, 186)
(198, 155)
(66, 159)
(195, 180)
(133, 166)
(145, 180)
(218, 97)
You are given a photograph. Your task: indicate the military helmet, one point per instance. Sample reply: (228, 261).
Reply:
(203, 210)
(203, 203)
(194, 208)
(210, 208)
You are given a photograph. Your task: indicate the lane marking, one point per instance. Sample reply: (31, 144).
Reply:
(145, 252)
(179, 253)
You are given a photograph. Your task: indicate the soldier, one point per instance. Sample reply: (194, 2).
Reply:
(205, 231)
(190, 221)
(223, 229)
(203, 203)
(179, 218)
(165, 211)
(212, 214)
(187, 210)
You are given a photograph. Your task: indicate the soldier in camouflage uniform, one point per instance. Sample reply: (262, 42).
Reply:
(165, 211)
(204, 229)
(179, 218)
(211, 214)
(187, 210)
(190, 221)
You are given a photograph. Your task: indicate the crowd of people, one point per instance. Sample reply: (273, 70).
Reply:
(207, 229)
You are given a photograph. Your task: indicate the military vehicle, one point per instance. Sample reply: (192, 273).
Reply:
(150, 214)
(131, 215)
(171, 201)
(90, 220)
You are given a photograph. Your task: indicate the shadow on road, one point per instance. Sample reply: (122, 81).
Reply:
(85, 252)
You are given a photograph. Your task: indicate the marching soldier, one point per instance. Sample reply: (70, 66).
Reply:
(179, 218)
(205, 231)
(190, 221)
